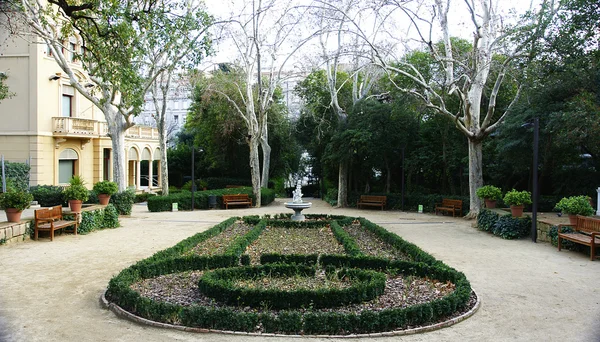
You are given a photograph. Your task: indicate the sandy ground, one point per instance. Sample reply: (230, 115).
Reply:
(529, 292)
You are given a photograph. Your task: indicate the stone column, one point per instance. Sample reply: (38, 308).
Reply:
(138, 168)
(598, 202)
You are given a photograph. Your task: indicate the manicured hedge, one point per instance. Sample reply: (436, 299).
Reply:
(218, 284)
(184, 198)
(345, 239)
(311, 321)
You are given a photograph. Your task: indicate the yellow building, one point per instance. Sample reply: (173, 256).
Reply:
(59, 131)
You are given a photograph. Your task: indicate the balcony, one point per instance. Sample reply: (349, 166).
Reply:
(86, 128)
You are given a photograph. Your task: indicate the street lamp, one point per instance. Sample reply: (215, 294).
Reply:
(536, 138)
(193, 169)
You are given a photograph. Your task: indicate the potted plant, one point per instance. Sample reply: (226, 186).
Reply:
(76, 193)
(575, 205)
(490, 194)
(516, 200)
(14, 202)
(105, 189)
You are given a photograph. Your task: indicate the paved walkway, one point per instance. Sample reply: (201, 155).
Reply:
(530, 292)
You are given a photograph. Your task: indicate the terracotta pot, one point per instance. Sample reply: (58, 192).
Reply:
(13, 215)
(573, 219)
(103, 198)
(75, 205)
(516, 210)
(490, 204)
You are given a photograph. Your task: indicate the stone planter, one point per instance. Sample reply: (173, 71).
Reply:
(75, 205)
(516, 210)
(103, 198)
(13, 215)
(490, 204)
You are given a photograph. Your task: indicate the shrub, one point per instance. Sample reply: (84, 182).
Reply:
(143, 197)
(487, 219)
(17, 174)
(575, 205)
(48, 195)
(106, 187)
(17, 199)
(515, 197)
(123, 201)
(489, 192)
(76, 190)
(111, 217)
(509, 227)
(184, 198)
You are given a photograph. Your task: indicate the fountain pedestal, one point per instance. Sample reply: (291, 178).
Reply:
(297, 208)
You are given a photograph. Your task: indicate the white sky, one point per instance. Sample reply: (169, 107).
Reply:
(459, 19)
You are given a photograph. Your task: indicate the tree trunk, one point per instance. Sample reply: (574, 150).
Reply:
(266, 150)
(255, 168)
(116, 131)
(342, 201)
(164, 167)
(475, 176)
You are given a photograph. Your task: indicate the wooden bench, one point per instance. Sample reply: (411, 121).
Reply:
(51, 219)
(236, 200)
(371, 201)
(449, 205)
(587, 232)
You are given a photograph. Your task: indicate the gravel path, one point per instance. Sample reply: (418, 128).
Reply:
(530, 292)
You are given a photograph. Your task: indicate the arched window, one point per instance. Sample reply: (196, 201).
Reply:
(67, 165)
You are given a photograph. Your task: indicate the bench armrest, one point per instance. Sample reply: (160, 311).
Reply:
(560, 226)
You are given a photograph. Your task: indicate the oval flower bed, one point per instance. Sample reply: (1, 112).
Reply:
(301, 287)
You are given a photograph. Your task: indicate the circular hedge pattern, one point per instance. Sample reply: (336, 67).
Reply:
(218, 284)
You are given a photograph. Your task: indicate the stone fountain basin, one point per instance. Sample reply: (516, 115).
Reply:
(297, 208)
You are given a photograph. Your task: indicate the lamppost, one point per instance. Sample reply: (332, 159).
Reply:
(534, 207)
(194, 169)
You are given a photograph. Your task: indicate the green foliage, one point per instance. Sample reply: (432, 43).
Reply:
(16, 199)
(48, 195)
(123, 201)
(515, 197)
(76, 190)
(575, 205)
(184, 199)
(287, 321)
(489, 192)
(218, 284)
(111, 217)
(5, 93)
(17, 174)
(508, 227)
(345, 239)
(487, 219)
(106, 187)
(143, 197)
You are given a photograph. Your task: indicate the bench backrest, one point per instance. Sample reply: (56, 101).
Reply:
(240, 197)
(452, 202)
(48, 213)
(588, 224)
(372, 198)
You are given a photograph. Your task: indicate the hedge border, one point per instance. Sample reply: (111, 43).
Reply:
(120, 312)
(313, 323)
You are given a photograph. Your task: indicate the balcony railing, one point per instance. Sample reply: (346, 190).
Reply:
(76, 127)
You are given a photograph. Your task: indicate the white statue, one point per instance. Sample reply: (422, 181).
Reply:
(297, 194)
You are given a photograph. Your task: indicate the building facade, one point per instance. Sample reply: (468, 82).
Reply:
(61, 133)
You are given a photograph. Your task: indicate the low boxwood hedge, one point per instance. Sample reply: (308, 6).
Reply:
(296, 321)
(219, 285)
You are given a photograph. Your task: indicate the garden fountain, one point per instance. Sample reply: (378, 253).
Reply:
(297, 205)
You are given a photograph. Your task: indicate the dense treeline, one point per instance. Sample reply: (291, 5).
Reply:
(562, 91)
